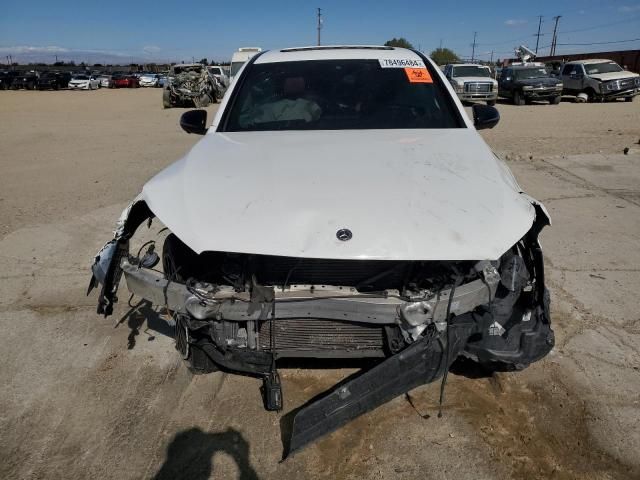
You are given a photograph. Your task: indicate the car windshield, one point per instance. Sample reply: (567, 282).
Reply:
(471, 71)
(605, 67)
(216, 71)
(526, 73)
(340, 95)
(81, 77)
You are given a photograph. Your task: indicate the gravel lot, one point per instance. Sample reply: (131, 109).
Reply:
(85, 397)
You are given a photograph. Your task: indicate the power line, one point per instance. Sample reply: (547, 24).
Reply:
(600, 43)
(595, 27)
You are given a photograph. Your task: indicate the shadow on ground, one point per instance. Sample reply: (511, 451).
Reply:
(190, 455)
(135, 318)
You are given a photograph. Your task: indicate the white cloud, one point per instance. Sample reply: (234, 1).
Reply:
(27, 49)
(150, 49)
(514, 22)
(629, 8)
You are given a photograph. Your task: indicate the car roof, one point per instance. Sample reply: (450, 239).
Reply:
(468, 65)
(337, 52)
(592, 60)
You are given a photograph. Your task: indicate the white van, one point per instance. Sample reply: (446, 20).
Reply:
(239, 58)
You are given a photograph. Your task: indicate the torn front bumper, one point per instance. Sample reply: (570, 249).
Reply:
(326, 303)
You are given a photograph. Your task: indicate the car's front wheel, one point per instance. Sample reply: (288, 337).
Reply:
(166, 98)
(491, 103)
(518, 98)
(556, 100)
(629, 99)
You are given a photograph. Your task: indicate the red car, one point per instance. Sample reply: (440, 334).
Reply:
(124, 81)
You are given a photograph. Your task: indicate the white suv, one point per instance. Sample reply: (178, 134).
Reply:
(341, 205)
(472, 82)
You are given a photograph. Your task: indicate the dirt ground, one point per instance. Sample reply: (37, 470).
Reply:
(85, 397)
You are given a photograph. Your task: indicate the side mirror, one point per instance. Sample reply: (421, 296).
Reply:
(194, 121)
(485, 116)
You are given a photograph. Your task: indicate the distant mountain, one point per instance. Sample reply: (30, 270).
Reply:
(49, 54)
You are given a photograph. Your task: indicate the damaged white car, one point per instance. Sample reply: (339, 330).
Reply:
(341, 205)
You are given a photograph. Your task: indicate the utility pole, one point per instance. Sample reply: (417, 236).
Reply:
(473, 50)
(538, 35)
(554, 40)
(491, 57)
(319, 24)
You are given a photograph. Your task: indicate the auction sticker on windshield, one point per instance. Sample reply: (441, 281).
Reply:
(418, 75)
(401, 63)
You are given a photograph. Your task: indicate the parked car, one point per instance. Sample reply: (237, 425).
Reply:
(162, 80)
(472, 82)
(53, 80)
(218, 72)
(105, 80)
(190, 85)
(148, 80)
(124, 81)
(6, 78)
(26, 80)
(370, 220)
(526, 83)
(599, 80)
(84, 82)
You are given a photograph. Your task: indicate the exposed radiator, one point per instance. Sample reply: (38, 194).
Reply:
(323, 338)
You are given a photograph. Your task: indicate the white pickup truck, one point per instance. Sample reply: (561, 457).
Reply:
(599, 79)
(472, 82)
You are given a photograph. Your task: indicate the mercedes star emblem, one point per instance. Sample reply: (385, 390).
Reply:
(344, 234)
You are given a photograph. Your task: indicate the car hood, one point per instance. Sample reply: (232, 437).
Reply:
(474, 79)
(604, 77)
(404, 194)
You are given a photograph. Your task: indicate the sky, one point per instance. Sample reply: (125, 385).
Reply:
(183, 30)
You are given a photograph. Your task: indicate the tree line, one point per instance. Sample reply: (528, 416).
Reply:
(441, 56)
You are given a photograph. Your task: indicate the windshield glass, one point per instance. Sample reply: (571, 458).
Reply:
(606, 67)
(339, 95)
(471, 71)
(215, 71)
(525, 73)
(81, 77)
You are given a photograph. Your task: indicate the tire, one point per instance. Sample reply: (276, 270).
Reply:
(179, 262)
(591, 95)
(629, 99)
(518, 99)
(556, 100)
(166, 98)
(198, 362)
(491, 103)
